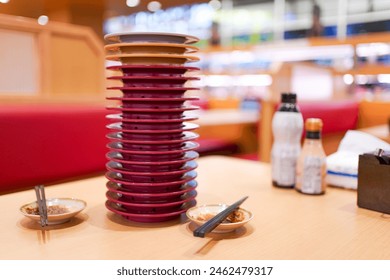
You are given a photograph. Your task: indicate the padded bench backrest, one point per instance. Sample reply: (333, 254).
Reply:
(372, 113)
(43, 144)
(337, 116)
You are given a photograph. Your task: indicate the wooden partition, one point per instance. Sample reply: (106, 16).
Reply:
(57, 62)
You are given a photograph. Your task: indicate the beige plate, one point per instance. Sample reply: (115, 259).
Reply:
(150, 37)
(214, 209)
(156, 48)
(147, 58)
(75, 206)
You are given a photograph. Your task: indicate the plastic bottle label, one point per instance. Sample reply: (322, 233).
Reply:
(312, 179)
(287, 129)
(283, 169)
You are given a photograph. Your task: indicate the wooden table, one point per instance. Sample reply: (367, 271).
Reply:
(286, 224)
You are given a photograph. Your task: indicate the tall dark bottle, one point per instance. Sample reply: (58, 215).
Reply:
(287, 127)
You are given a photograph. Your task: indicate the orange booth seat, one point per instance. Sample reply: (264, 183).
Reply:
(44, 144)
(372, 113)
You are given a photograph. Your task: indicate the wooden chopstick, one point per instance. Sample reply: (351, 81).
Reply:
(217, 219)
(41, 199)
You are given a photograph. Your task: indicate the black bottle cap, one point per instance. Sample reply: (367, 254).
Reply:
(289, 97)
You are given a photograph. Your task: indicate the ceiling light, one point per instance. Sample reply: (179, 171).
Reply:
(154, 6)
(361, 79)
(384, 78)
(132, 3)
(43, 20)
(348, 79)
(4, 1)
(215, 4)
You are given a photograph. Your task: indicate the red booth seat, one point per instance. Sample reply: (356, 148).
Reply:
(337, 116)
(44, 144)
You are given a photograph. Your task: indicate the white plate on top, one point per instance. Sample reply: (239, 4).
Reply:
(126, 37)
(69, 207)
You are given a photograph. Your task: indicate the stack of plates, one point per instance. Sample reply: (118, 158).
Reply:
(151, 158)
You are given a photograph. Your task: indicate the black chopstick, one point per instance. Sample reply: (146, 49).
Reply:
(217, 219)
(41, 200)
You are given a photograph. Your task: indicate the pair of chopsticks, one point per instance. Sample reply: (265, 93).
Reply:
(41, 200)
(217, 219)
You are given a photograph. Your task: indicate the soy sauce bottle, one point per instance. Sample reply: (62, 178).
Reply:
(311, 167)
(287, 127)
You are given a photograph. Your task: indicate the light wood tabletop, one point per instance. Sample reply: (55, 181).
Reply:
(286, 224)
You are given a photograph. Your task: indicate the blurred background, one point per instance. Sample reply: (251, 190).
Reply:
(334, 54)
(250, 51)
(248, 40)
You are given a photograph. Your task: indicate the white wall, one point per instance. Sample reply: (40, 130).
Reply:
(18, 63)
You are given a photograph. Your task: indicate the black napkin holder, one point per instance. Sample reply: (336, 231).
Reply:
(373, 189)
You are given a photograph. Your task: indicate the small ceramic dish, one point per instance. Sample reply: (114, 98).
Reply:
(120, 118)
(152, 70)
(149, 47)
(147, 58)
(127, 149)
(120, 136)
(152, 81)
(118, 167)
(167, 111)
(131, 184)
(201, 214)
(148, 218)
(151, 190)
(130, 37)
(71, 205)
(153, 100)
(118, 157)
(147, 207)
(148, 129)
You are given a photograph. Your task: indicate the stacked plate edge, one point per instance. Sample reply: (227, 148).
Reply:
(151, 160)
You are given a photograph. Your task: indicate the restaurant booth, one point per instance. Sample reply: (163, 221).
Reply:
(58, 84)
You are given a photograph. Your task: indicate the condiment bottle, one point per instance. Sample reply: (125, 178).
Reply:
(287, 127)
(311, 166)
